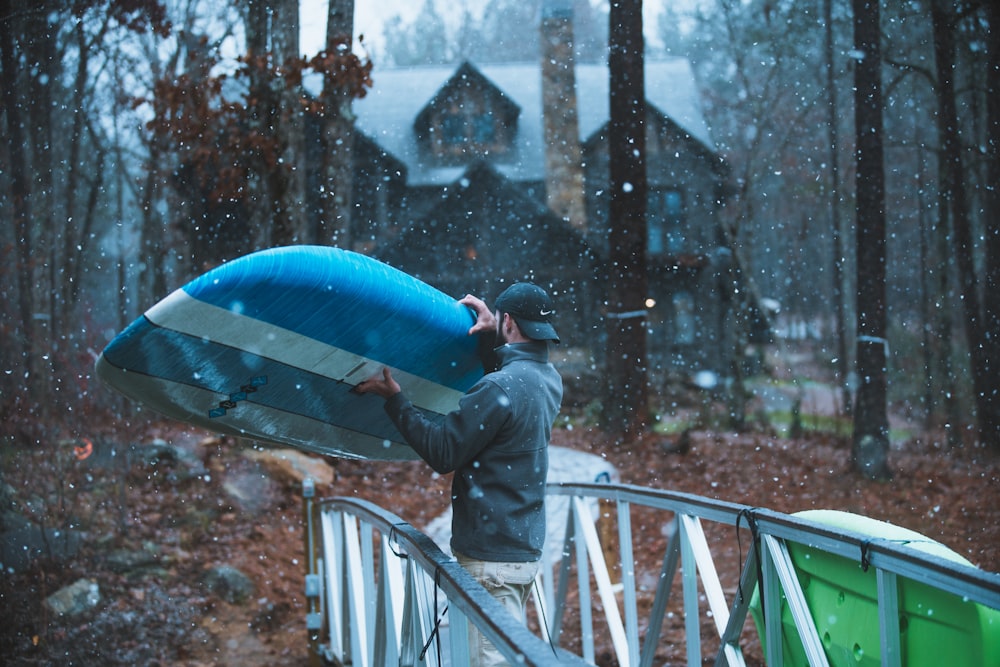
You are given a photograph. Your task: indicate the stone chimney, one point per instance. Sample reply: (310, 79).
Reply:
(564, 192)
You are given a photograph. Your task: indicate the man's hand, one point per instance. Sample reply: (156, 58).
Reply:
(385, 386)
(486, 322)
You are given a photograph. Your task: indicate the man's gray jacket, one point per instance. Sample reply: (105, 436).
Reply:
(496, 442)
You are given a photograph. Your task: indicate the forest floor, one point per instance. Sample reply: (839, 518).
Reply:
(152, 527)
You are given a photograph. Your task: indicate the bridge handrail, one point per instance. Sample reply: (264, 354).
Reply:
(882, 554)
(361, 621)
(768, 564)
(461, 591)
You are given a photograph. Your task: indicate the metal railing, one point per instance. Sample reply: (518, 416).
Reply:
(381, 592)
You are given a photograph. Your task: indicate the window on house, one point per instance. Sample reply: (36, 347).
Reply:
(453, 129)
(665, 222)
(483, 128)
(461, 129)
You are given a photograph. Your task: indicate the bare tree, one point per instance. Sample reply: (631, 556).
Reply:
(954, 193)
(871, 425)
(267, 115)
(990, 418)
(833, 135)
(293, 144)
(20, 197)
(338, 128)
(626, 406)
(56, 175)
(238, 153)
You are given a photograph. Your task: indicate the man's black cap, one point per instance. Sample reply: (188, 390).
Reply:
(531, 308)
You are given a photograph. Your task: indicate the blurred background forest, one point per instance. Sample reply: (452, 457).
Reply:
(125, 121)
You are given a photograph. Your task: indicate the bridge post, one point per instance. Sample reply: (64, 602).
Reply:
(314, 590)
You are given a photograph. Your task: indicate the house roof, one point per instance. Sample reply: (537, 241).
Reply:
(388, 113)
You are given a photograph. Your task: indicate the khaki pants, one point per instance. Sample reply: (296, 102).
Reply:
(510, 583)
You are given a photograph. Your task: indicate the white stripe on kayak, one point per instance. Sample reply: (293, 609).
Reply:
(185, 314)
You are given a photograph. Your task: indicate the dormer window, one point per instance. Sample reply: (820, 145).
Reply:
(483, 129)
(453, 129)
(469, 115)
(464, 128)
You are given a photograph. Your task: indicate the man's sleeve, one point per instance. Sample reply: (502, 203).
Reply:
(464, 432)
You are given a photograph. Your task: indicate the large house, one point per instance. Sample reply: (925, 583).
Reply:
(470, 177)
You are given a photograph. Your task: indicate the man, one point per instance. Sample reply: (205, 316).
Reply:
(496, 443)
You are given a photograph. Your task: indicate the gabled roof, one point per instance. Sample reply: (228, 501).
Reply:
(388, 113)
(714, 161)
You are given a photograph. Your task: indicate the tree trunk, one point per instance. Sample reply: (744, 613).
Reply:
(161, 159)
(338, 134)
(32, 63)
(626, 405)
(871, 426)
(989, 419)
(833, 138)
(20, 200)
(943, 325)
(952, 174)
(68, 263)
(286, 37)
(268, 213)
(153, 276)
(927, 259)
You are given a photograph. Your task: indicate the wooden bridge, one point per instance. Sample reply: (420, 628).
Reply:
(380, 592)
